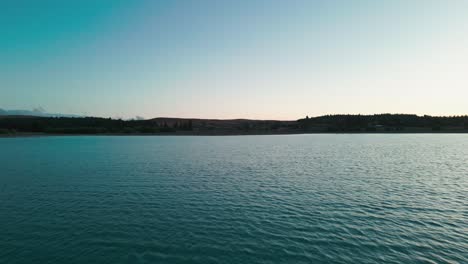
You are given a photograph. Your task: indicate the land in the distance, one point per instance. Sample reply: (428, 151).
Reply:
(381, 123)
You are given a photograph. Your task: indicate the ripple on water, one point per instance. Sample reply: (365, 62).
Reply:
(253, 199)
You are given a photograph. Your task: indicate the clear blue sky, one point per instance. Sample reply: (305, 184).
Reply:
(229, 59)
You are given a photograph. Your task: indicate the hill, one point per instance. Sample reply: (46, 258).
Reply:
(381, 123)
(162, 125)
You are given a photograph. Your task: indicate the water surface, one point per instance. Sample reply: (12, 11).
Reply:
(245, 199)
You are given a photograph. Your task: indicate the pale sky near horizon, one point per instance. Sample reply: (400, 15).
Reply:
(263, 59)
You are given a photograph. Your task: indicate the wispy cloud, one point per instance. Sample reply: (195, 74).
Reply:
(38, 111)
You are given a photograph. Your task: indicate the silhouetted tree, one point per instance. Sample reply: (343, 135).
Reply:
(190, 125)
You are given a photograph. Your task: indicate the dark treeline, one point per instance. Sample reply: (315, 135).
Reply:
(94, 125)
(321, 124)
(384, 122)
(90, 125)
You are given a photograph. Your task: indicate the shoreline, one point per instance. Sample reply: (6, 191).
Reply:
(26, 135)
(30, 126)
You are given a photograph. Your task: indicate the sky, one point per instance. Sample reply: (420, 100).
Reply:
(258, 59)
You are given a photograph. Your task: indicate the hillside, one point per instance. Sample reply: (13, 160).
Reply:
(382, 123)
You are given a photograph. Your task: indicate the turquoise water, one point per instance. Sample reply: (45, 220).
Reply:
(245, 199)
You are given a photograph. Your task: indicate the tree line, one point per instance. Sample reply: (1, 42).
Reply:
(89, 125)
(321, 124)
(386, 122)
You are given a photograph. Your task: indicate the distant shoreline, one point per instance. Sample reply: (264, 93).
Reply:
(26, 135)
(30, 126)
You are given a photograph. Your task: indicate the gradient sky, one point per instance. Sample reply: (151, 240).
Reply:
(263, 59)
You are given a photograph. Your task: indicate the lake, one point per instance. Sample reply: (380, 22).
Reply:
(386, 198)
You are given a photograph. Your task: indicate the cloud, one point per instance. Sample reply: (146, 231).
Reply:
(38, 111)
